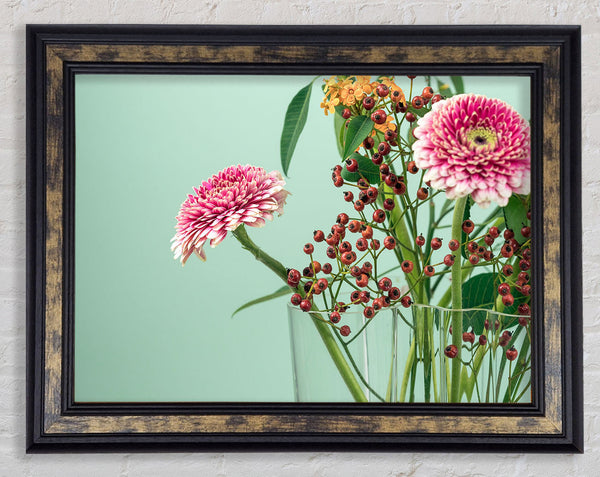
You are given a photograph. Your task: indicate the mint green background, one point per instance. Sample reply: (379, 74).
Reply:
(146, 328)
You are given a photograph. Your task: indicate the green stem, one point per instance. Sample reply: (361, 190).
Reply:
(457, 220)
(323, 328)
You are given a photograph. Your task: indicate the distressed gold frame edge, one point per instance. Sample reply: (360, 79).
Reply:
(56, 423)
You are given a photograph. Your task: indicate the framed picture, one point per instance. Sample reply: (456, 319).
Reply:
(422, 290)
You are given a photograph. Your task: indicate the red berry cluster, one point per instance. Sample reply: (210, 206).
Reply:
(369, 291)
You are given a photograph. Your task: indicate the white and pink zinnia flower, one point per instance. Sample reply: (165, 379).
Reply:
(470, 144)
(235, 196)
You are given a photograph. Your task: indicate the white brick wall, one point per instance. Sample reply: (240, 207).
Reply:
(14, 14)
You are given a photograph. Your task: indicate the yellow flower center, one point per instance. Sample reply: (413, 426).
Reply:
(481, 138)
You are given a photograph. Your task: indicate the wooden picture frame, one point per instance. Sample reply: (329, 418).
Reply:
(549, 55)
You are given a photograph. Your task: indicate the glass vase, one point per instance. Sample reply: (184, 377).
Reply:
(398, 356)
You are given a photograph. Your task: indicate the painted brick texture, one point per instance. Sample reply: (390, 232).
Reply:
(14, 14)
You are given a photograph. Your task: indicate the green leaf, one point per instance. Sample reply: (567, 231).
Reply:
(459, 85)
(295, 119)
(358, 129)
(515, 215)
(365, 167)
(284, 290)
(339, 125)
(418, 112)
(463, 235)
(477, 292)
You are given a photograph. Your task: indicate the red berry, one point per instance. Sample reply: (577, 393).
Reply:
(526, 231)
(352, 165)
(411, 167)
(389, 242)
(524, 264)
(449, 260)
(417, 102)
(407, 266)
(367, 267)
(506, 251)
(379, 116)
(356, 271)
(388, 204)
(436, 98)
(474, 259)
(482, 340)
(369, 312)
(345, 330)
(359, 205)
(420, 240)
(390, 135)
(348, 196)
(296, 299)
(367, 232)
(406, 301)
(472, 247)
(489, 240)
(411, 77)
(362, 281)
(524, 309)
(468, 226)
(331, 252)
(362, 244)
(346, 113)
(305, 305)
(368, 102)
(468, 337)
(318, 236)
(335, 317)
(429, 270)
(494, 232)
(410, 117)
(451, 351)
(342, 219)
(382, 90)
(368, 143)
(391, 180)
(379, 216)
(293, 277)
(385, 284)
(427, 92)
(526, 290)
(338, 181)
(401, 107)
(332, 239)
(422, 193)
(378, 304)
(508, 300)
(394, 293)
(362, 183)
(396, 96)
(453, 245)
(354, 226)
(384, 169)
(399, 188)
(504, 289)
(364, 296)
(316, 266)
(384, 148)
(436, 243)
(375, 244)
(508, 234)
(512, 353)
(507, 270)
(327, 268)
(377, 158)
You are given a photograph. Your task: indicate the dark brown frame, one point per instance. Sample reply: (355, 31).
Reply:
(549, 55)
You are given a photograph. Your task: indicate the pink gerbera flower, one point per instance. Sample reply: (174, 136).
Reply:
(470, 144)
(235, 196)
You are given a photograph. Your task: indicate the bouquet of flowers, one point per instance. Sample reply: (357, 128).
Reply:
(412, 171)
